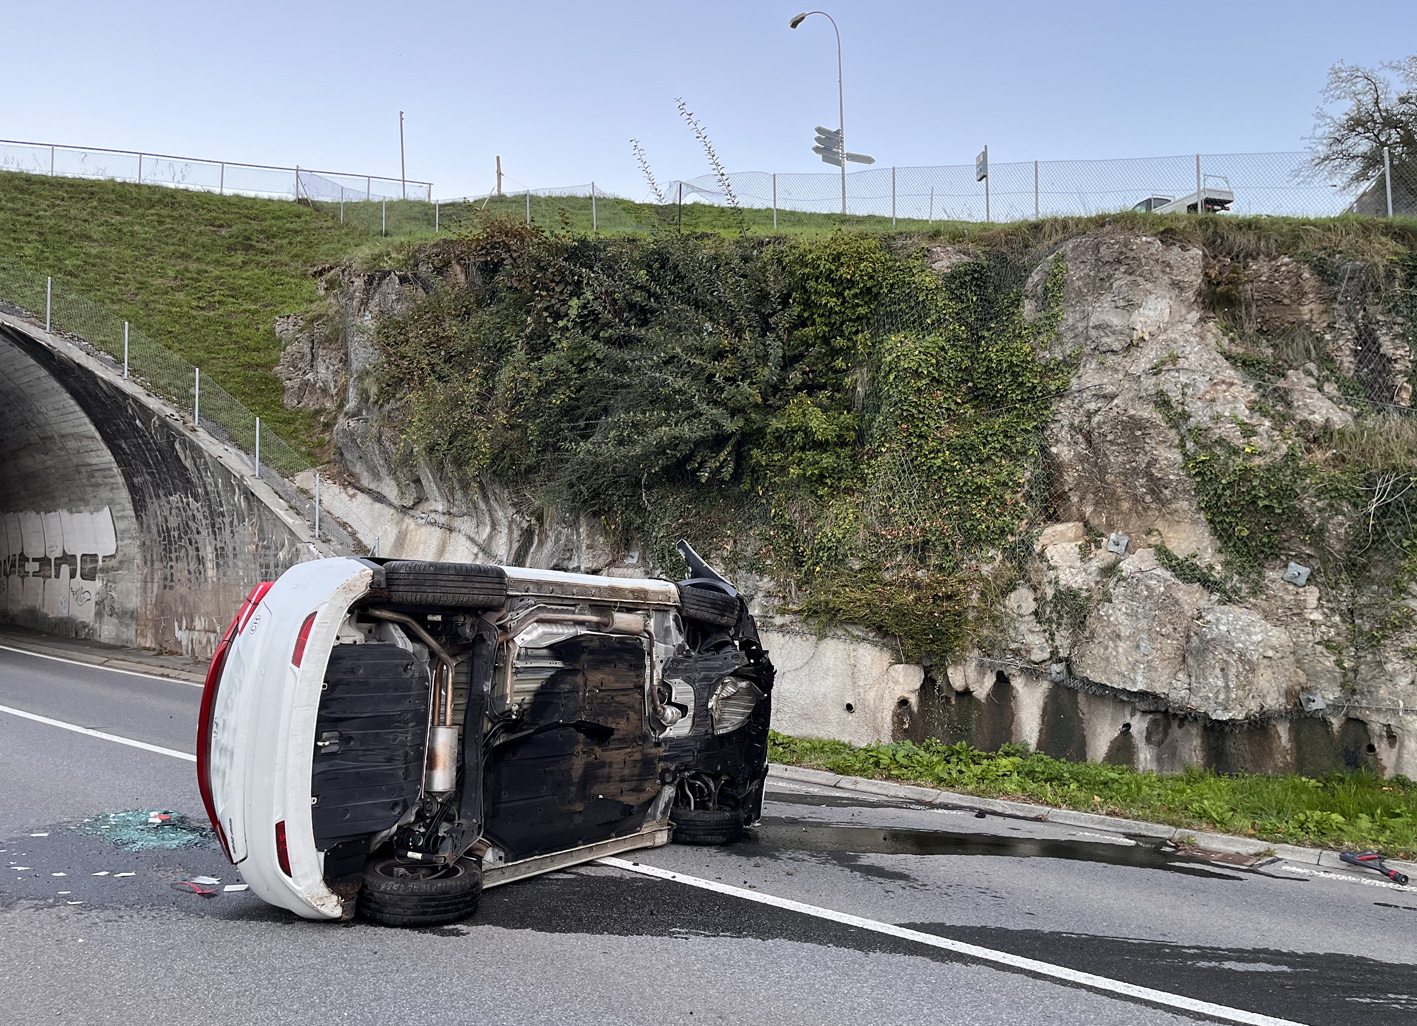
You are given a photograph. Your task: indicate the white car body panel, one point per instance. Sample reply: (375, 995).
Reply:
(263, 732)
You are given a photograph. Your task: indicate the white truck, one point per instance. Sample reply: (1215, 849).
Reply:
(1215, 193)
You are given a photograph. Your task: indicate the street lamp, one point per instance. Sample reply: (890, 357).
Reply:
(840, 93)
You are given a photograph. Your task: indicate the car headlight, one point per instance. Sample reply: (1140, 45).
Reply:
(731, 704)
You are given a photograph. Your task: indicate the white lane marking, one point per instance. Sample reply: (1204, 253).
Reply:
(1347, 879)
(98, 734)
(1057, 972)
(100, 666)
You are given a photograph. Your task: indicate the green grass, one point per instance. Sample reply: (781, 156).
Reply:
(1338, 811)
(204, 275)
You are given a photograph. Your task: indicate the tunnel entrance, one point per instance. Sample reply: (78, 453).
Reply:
(117, 522)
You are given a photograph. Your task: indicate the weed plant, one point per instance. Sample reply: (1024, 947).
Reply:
(1353, 810)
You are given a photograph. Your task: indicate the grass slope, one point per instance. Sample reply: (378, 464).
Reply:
(205, 275)
(1355, 810)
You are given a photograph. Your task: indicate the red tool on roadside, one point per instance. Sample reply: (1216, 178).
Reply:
(1372, 860)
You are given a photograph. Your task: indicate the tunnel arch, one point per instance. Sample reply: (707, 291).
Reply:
(118, 521)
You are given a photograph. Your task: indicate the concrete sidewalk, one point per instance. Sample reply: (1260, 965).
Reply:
(1092, 821)
(95, 653)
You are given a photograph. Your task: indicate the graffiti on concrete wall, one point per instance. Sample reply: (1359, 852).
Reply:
(54, 562)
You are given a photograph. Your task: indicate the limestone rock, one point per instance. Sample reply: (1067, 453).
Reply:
(1282, 292)
(1310, 406)
(942, 259)
(1137, 641)
(1237, 666)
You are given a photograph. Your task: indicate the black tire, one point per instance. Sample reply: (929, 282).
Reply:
(707, 606)
(706, 826)
(398, 893)
(416, 582)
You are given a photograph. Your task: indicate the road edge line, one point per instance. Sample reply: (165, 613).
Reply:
(99, 666)
(1044, 969)
(90, 732)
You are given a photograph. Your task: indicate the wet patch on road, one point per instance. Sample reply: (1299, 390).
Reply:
(1314, 988)
(837, 801)
(777, 835)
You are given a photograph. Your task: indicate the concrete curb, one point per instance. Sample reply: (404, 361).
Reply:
(1068, 817)
(113, 662)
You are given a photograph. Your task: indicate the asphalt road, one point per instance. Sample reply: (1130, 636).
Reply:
(609, 945)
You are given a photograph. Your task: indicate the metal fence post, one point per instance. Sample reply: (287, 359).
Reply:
(140, 169)
(594, 221)
(680, 215)
(1387, 177)
(221, 187)
(932, 205)
(1200, 188)
(51, 161)
(774, 200)
(1035, 190)
(125, 350)
(317, 505)
(528, 206)
(384, 217)
(368, 188)
(48, 292)
(197, 397)
(435, 217)
(892, 196)
(341, 204)
(257, 460)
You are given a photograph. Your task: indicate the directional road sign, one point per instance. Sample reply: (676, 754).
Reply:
(829, 148)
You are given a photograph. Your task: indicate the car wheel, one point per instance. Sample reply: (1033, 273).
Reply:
(706, 826)
(398, 893)
(416, 582)
(708, 606)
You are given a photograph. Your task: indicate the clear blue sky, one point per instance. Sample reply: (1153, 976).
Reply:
(559, 88)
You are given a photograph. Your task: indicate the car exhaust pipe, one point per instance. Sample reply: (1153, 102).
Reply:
(441, 771)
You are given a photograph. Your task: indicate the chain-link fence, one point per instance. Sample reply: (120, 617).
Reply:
(46, 303)
(576, 208)
(1271, 184)
(1265, 184)
(219, 176)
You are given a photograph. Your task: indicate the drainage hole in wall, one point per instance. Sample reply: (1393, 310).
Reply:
(1126, 728)
(850, 707)
(904, 703)
(1372, 749)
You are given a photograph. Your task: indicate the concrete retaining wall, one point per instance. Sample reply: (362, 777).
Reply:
(118, 521)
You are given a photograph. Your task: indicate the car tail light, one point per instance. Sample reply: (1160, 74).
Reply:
(300, 641)
(208, 707)
(282, 852)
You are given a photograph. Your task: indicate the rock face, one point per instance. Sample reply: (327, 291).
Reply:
(1133, 315)
(390, 500)
(1109, 654)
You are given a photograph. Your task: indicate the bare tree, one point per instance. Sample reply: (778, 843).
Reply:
(1380, 110)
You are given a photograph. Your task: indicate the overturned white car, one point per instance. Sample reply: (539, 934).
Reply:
(396, 735)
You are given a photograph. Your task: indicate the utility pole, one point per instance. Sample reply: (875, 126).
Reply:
(403, 172)
(499, 176)
(840, 94)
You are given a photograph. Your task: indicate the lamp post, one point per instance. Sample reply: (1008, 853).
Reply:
(840, 92)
